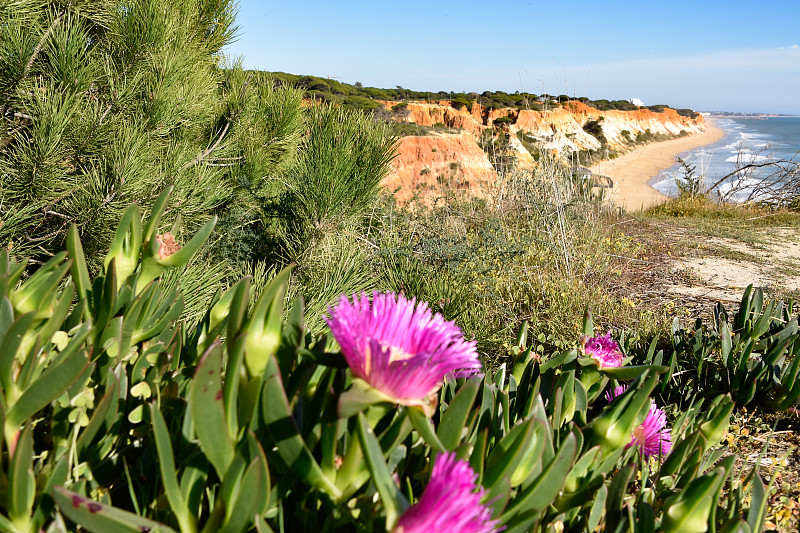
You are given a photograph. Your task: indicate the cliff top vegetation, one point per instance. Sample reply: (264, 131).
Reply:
(357, 96)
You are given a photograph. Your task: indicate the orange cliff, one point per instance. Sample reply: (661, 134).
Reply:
(457, 161)
(431, 163)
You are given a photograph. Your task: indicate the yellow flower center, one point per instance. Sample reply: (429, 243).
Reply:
(395, 354)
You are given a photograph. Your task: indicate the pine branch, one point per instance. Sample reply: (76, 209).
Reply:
(40, 45)
(213, 147)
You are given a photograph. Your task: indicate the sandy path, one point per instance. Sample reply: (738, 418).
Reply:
(632, 171)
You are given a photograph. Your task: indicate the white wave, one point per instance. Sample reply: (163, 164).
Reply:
(747, 159)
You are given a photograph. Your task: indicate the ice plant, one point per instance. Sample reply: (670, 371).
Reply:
(400, 347)
(653, 435)
(450, 502)
(603, 349)
(166, 245)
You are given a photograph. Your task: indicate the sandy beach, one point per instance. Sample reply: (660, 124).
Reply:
(631, 172)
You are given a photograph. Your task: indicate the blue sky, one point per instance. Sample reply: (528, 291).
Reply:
(713, 55)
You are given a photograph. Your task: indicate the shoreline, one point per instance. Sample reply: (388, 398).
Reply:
(633, 171)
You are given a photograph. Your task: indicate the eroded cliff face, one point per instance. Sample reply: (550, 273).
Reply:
(430, 161)
(428, 165)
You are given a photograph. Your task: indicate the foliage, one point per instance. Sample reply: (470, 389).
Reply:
(689, 184)
(608, 105)
(103, 106)
(534, 251)
(595, 129)
(461, 101)
(684, 112)
(244, 422)
(752, 355)
(335, 179)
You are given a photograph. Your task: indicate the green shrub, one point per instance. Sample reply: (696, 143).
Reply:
(460, 101)
(247, 398)
(593, 128)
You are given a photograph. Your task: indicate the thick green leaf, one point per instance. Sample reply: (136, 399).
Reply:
(543, 491)
(646, 519)
(251, 491)
(381, 476)
(758, 504)
(598, 509)
(616, 495)
(151, 228)
(291, 338)
(422, 424)
(625, 373)
(689, 510)
(208, 411)
(9, 344)
(359, 396)
(558, 360)
(166, 464)
(6, 315)
(49, 386)
(281, 428)
(264, 328)
(80, 272)
(452, 422)
(6, 524)
(262, 526)
(507, 455)
(99, 518)
(21, 483)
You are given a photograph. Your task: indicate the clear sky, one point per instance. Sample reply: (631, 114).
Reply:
(727, 55)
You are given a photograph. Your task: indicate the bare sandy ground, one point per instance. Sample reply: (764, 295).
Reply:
(631, 172)
(773, 263)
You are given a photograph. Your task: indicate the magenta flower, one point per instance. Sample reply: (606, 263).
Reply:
(604, 350)
(653, 435)
(450, 502)
(399, 347)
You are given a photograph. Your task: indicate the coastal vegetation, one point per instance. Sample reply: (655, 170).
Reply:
(214, 318)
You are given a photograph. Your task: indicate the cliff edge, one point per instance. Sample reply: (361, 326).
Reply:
(460, 148)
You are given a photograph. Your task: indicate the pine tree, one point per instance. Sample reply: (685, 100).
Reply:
(108, 102)
(105, 103)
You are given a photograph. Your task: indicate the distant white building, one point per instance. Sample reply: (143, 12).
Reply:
(636, 102)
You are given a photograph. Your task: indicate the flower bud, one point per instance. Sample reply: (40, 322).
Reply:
(162, 252)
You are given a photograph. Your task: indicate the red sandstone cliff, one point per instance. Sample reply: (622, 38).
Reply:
(431, 163)
(425, 163)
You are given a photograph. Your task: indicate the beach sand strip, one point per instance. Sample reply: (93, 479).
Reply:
(632, 171)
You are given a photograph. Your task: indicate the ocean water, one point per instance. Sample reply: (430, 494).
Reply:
(745, 141)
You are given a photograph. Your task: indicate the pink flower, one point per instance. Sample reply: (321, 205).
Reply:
(653, 435)
(450, 502)
(604, 350)
(399, 347)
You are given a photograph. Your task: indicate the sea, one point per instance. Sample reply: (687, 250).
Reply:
(746, 141)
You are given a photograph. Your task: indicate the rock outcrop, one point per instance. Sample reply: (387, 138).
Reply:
(426, 163)
(430, 164)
